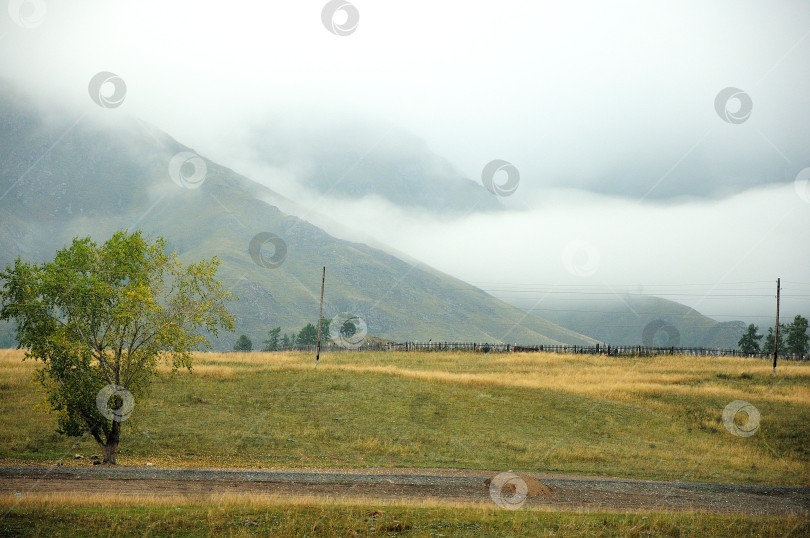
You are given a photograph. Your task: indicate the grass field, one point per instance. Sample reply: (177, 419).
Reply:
(243, 516)
(655, 418)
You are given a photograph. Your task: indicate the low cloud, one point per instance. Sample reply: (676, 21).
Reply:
(721, 257)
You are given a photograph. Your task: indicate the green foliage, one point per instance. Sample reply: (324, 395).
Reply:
(243, 343)
(308, 336)
(273, 341)
(767, 347)
(749, 342)
(104, 315)
(793, 338)
(796, 340)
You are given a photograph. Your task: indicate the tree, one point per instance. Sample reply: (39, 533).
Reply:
(272, 342)
(767, 347)
(243, 343)
(99, 318)
(308, 336)
(796, 339)
(286, 341)
(749, 342)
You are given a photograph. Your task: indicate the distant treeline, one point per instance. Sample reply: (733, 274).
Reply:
(793, 342)
(276, 341)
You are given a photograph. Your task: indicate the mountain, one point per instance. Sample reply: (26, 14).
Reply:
(63, 176)
(624, 319)
(348, 159)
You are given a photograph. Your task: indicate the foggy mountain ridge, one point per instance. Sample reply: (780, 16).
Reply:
(139, 158)
(666, 148)
(622, 320)
(64, 179)
(354, 159)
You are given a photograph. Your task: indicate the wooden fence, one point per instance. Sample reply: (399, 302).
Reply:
(598, 349)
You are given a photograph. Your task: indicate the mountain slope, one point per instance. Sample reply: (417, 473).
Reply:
(355, 159)
(61, 177)
(622, 321)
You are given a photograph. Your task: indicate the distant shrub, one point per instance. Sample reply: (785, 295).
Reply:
(243, 344)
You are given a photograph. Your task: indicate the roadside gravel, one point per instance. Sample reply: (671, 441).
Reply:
(566, 492)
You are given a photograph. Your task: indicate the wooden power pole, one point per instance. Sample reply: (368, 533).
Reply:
(776, 331)
(320, 319)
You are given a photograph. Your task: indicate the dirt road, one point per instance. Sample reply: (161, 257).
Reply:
(390, 484)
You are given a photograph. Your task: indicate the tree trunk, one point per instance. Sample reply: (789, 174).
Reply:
(110, 448)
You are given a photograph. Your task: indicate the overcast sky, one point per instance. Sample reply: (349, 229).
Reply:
(608, 110)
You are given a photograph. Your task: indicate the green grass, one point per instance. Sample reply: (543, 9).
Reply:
(653, 418)
(309, 518)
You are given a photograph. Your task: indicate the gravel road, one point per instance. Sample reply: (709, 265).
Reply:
(390, 484)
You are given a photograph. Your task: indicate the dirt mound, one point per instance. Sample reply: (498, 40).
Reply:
(534, 487)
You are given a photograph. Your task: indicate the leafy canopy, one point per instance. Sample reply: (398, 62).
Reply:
(99, 315)
(243, 343)
(308, 336)
(797, 340)
(273, 341)
(749, 342)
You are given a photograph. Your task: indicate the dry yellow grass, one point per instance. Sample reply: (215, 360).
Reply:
(618, 378)
(246, 515)
(238, 516)
(621, 378)
(226, 500)
(573, 413)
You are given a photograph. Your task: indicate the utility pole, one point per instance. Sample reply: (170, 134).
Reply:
(320, 319)
(776, 331)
